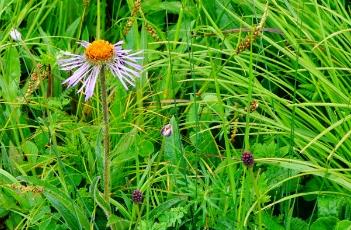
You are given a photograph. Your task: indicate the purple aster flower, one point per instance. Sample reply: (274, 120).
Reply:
(98, 54)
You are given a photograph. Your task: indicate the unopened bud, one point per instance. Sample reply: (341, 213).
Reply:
(137, 196)
(166, 130)
(15, 35)
(247, 159)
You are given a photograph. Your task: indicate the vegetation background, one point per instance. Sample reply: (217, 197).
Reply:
(230, 76)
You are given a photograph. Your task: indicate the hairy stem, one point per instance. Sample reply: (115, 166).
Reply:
(106, 136)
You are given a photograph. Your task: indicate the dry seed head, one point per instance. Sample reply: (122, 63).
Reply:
(234, 131)
(264, 18)
(136, 8)
(86, 3)
(256, 32)
(39, 74)
(152, 31)
(23, 188)
(128, 25)
(254, 105)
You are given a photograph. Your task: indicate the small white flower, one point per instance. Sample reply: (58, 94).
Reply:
(121, 63)
(15, 35)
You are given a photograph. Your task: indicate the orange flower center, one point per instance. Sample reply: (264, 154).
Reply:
(99, 51)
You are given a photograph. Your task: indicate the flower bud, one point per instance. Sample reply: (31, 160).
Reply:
(15, 35)
(247, 158)
(137, 196)
(166, 130)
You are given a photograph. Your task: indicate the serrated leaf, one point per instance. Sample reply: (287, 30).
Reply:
(161, 208)
(324, 223)
(298, 224)
(271, 222)
(327, 206)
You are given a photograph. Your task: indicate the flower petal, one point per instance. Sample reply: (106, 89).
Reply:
(78, 75)
(89, 91)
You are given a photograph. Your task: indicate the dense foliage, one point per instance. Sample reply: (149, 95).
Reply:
(255, 95)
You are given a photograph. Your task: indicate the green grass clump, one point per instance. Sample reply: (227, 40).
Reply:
(228, 76)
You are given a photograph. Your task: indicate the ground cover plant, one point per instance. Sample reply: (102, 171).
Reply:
(152, 114)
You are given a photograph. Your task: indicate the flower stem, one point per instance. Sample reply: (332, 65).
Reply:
(106, 136)
(98, 20)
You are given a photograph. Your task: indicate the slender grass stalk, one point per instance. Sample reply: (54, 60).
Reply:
(106, 136)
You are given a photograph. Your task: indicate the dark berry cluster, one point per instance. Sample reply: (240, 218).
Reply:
(247, 158)
(137, 196)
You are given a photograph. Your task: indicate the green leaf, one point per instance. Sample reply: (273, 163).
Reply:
(72, 28)
(173, 145)
(31, 151)
(145, 147)
(156, 5)
(74, 216)
(164, 207)
(313, 184)
(324, 223)
(298, 224)
(9, 83)
(120, 208)
(6, 177)
(204, 141)
(171, 218)
(125, 143)
(98, 197)
(271, 222)
(343, 225)
(327, 206)
(118, 222)
(212, 103)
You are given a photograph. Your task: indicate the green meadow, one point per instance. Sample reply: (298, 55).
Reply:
(175, 114)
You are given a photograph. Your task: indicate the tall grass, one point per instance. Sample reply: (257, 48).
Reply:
(198, 79)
